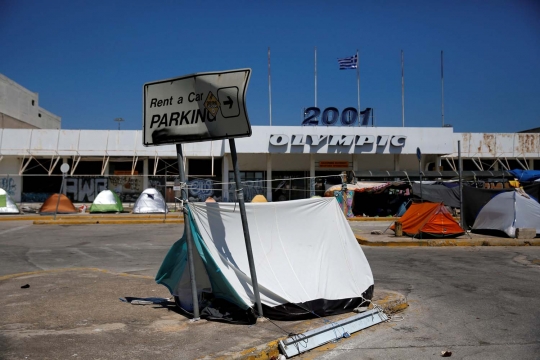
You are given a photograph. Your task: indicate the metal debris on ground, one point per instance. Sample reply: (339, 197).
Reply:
(376, 232)
(446, 353)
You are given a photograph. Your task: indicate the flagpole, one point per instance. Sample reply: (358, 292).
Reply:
(402, 91)
(269, 87)
(315, 76)
(358, 83)
(442, 88)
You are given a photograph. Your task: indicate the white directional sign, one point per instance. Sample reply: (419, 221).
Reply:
(197, 107)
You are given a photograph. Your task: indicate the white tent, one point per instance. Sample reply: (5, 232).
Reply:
(304, 250)
(150, 201)
(7, 205)
(508, 211)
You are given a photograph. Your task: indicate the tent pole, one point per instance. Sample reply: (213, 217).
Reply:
(460, 170)
(240, 198)
(187, 229)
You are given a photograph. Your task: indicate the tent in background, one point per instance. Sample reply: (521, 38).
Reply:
(474, 199)
(107, 201)
(292, 284)
(258, 199)
(508, 211)
(65, 206)
(7, 205)
(150, 201)
(429, 220)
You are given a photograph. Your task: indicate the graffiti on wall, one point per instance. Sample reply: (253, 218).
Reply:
(251, 189)
(9, 185)
(126, 184)
(84, 189)
(200, 189)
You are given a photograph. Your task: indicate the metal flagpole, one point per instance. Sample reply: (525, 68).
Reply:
(269, 87)
(315, 76)
(460, 171)
(358, 83)
(402, 91)
(187, 229)
(442, 88)
(242, 206)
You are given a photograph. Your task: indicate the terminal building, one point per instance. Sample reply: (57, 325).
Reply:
(280, 162)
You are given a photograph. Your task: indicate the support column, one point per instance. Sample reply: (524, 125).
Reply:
(225, 178)
(531, 164)
(397, 158)
(438, 163)
(355, 162)
(145, 173)
(269, 177)
(396, 162)
(311, 175)
(495, 165)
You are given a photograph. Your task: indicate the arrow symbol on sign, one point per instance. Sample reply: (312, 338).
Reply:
(228, 102)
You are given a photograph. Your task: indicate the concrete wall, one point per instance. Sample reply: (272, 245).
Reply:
(7, 122)
(19, 103)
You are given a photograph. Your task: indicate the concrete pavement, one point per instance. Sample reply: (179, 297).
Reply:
(72, 309)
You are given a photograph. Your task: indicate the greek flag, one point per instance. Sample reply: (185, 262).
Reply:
(350, 62)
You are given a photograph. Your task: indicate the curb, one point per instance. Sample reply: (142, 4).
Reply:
(450, 242)
(108, 221)
(85, 217)
(392, 302)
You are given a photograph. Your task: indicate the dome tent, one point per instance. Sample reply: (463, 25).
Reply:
(259, 199)
(508, 211)
(107, 201)
(429, 220)
(7, 205)
(65, 206)
(150, 202)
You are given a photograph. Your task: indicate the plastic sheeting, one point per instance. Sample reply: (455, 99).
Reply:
(508, 211)
(437, 194)
(526, 175)
(304, 251)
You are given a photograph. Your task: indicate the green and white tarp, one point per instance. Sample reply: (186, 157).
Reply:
(106, 201)
(7, 205)
(306, 257)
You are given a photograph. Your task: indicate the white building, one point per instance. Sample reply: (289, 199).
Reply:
(277, 161)
(19, 108)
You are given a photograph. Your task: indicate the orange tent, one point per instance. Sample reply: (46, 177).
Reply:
(427, 219)
(64, 207)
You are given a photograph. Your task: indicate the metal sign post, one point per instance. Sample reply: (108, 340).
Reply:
(187, 229)
(460, 170)
(193, 108)
(419, 156)
(240, 198)
(64, 169)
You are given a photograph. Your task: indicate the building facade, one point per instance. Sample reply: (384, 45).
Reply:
(19, 108)
(280, 162)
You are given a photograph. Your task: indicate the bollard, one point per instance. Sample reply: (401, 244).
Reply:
(398, 229)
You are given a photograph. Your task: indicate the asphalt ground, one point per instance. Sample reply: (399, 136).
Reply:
(71, 309)
(479, 302)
